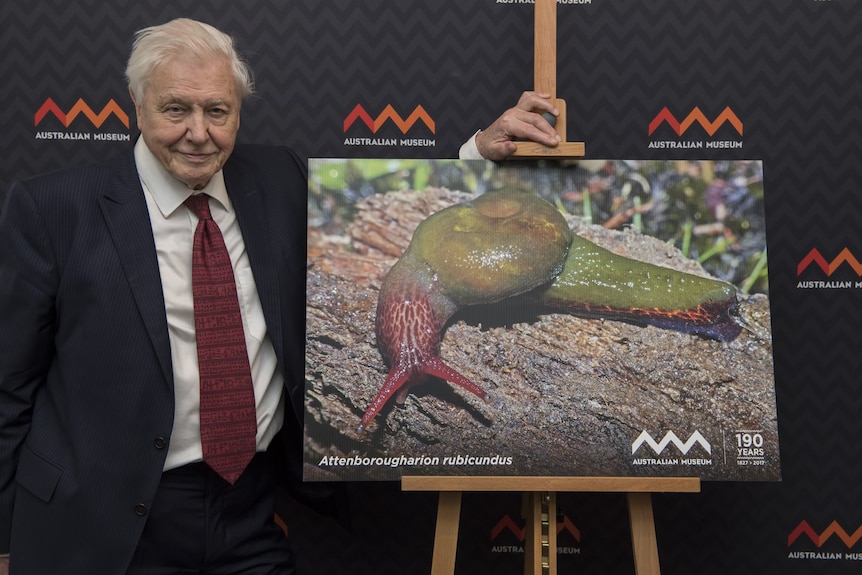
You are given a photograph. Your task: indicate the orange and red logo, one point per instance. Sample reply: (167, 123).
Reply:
(389, 114)
(80, 107)
(520, 533)
(833, 529)
(696, 116)
(814, 257)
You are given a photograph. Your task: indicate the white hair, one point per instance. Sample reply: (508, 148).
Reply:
(160, 44)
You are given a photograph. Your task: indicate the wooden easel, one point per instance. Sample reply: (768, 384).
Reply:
(540, 546)
(540, 493)
(545, 80)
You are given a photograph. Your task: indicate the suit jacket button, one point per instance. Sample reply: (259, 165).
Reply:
(140, 509)
(160, 442)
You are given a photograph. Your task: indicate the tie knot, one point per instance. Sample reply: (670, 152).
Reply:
(200, 205)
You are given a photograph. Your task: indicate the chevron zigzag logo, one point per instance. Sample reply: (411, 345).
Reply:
(506, 523)
(389, 114)
(671, 437)
(814, 257)
(696, 116)
(833, 529)
(80, 107)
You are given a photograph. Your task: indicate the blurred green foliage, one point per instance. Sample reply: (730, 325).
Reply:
(711, 210)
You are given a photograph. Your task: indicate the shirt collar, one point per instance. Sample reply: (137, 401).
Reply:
(168, 192)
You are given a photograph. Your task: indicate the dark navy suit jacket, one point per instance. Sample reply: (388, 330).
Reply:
(86, 388)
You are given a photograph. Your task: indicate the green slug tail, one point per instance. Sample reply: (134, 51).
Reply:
(717, 320)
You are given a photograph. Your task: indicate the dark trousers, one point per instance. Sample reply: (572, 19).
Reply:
(200, 524)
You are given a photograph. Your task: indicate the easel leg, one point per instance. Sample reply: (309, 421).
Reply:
(540, 541)
(643, 534)
(446, 533)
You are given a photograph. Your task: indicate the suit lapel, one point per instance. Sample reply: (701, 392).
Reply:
(247, 200)
(125, 210)
(127, 217)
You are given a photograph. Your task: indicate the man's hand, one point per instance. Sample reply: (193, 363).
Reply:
(4, 565)
(523, 122)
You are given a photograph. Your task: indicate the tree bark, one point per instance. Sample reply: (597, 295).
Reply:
(569, 395)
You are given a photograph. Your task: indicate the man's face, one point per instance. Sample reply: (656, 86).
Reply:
(189, 117)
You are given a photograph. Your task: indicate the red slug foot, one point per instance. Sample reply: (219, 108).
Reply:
(404, 374)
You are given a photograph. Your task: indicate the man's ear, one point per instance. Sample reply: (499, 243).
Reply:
(137, 107)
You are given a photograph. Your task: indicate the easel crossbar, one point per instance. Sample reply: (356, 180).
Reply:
(552, 483)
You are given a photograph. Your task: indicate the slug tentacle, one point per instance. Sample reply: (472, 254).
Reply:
(404, 375)
(505, 244)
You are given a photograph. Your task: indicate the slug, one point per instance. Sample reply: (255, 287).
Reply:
(504, 244)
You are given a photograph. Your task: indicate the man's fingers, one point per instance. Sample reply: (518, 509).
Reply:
(537, 102)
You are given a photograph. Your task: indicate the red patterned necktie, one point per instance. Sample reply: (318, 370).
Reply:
(227, 409)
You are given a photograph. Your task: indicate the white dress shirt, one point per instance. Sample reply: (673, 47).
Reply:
(469, 150)
(173, 228)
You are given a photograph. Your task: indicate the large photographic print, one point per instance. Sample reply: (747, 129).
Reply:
(583, 318)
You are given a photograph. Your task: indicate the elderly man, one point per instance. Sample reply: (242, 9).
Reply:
(140, 392)
(152, 308)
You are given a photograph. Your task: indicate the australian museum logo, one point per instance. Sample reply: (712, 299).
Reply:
(81, 122)
(389, 128)
(695, 130)
(833, 543)
(817, 271)
(509, 536)
(671, 450)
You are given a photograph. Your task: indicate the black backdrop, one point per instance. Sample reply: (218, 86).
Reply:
(790, 72)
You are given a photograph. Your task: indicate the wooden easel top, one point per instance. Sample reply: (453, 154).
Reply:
(545, 80)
